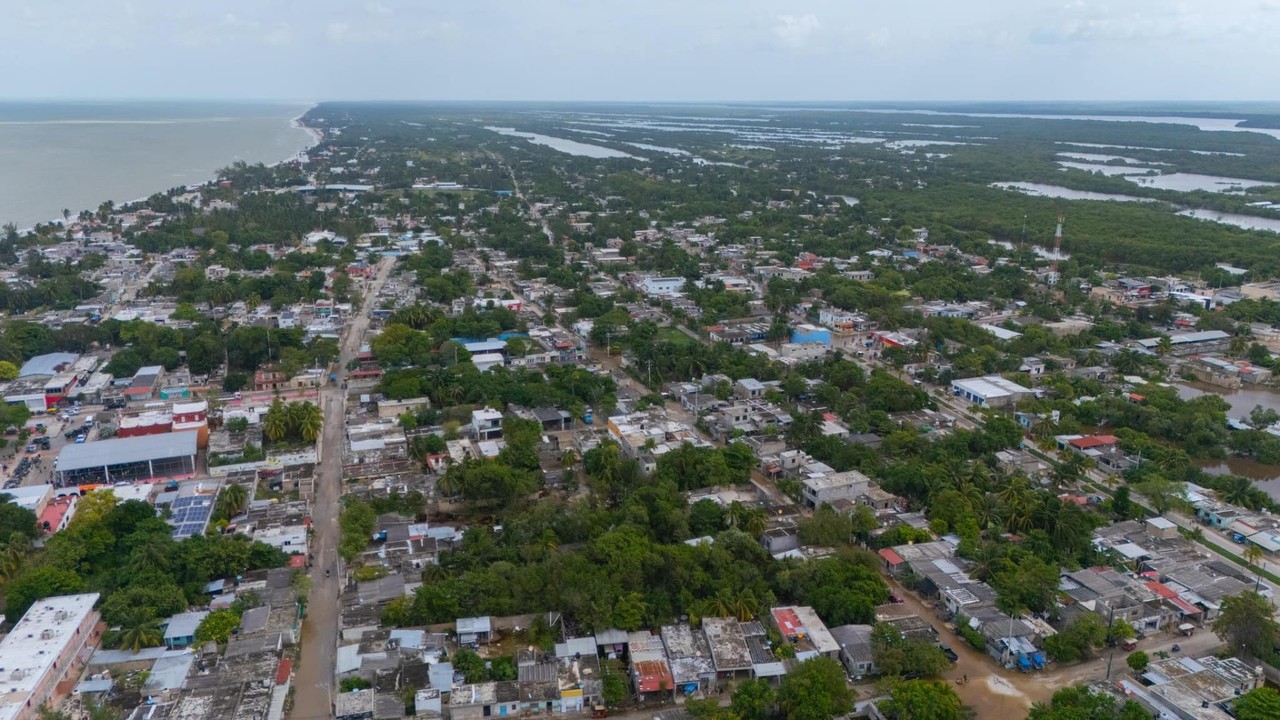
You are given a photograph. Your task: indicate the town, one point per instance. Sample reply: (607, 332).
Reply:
(447, 420)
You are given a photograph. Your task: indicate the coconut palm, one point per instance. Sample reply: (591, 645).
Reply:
(149, 556)
(275, 425)
(232, 499)
(309, 421)
(12, 561)
(1126, 362)
(139, 629)
(1164, 345)
(1236, 490)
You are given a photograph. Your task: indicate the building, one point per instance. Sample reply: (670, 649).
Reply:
(805, 333)
(855, 649)
(990, 391)
(354, 705)
(144, 383)
(837, 486)
(1193, 689)
(801, 626)
(169, 455)
(47, 365)
(46, 646)
(661, 285)
(192, 417)
(1205, 341)
(180, 630)
(486, 423)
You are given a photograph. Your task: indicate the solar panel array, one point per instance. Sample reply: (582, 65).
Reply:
(190, 515)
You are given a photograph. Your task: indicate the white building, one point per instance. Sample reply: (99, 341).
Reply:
(486, 423)
(44, 647)
(990, 391)
(662, 285)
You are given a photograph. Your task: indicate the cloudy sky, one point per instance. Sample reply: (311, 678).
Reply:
(686, 50)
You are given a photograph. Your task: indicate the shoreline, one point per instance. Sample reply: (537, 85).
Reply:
(315, 135)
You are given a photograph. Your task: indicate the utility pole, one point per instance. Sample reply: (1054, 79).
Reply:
(1110, 617)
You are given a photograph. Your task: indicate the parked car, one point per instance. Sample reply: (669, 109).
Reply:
(893, 598)
(951, 654)
(80, 439)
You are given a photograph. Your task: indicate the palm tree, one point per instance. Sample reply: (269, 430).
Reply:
(309, 422)
(1019, 505)
(233, 499)
(1164, 346)
(1252, 555)
(1126, 362)
(569, 459)
(12, 561)
(275, 425)
(1236, 490)
(1239, 344)
(150, 556)
(139, 629)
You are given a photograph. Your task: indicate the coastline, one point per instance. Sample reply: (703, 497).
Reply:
(316, 134)
(315, 137)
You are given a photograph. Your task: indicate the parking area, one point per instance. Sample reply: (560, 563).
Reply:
(32, 462)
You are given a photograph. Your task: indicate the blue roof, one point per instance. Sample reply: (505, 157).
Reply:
(46, 364)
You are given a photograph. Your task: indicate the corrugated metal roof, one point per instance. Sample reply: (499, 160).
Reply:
(120, 451)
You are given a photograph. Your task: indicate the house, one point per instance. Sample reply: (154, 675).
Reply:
(474, 631)
(855, 649)
(180, 631)
(749, 389)
(729, 651)
(801, 626)
(484, 700)
(486, 423)
(354, 705)
(689, 656)
(649, 669)
(990, 391)
(847, 485)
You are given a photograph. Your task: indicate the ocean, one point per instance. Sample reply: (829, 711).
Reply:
(59, 155)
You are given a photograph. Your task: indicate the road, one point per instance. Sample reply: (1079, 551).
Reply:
(314, 679)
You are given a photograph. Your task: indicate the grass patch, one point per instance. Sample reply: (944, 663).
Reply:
(674, 336)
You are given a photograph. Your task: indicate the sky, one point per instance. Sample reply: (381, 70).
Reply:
(644, 50)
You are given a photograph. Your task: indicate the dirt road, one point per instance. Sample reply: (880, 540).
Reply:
(314, 678)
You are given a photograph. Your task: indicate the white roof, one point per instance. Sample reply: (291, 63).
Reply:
(990, 386)
(28, 652)
(118, 451)
(1000, 332)
(1161, 523)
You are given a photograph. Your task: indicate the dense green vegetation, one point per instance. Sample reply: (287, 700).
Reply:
(127, 553)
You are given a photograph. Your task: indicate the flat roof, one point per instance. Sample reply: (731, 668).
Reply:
(990, 386)
(29, 651)
(119, 451)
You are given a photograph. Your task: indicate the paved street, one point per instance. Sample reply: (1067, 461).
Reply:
(313, 697)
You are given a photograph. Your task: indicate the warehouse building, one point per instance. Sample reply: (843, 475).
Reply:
(170, 455)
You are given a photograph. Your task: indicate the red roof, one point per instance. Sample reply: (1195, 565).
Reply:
(297, 561)
(1168, 594)
(891, 557)
(788, 622)
(1092, 441)
(653, 676)
(284, 670)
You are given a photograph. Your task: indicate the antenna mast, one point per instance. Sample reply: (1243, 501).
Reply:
(1057, 246)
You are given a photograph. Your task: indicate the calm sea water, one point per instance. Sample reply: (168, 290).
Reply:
(76, 155)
